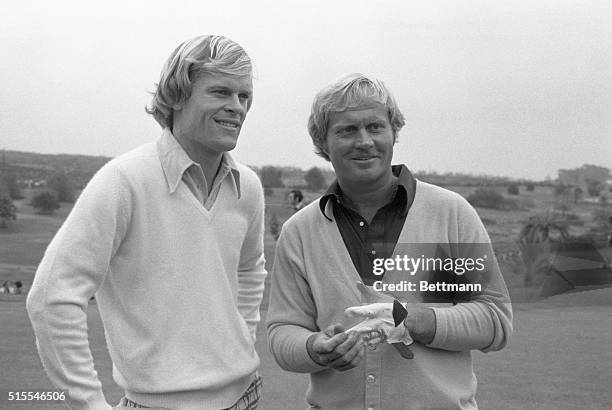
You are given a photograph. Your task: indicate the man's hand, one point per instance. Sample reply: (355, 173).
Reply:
(336, 349)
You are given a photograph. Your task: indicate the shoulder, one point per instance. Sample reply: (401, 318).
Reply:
(432, 198)
(247, 175)
(309, 217)
(435, 197)
(435, 203)
(432, 192)
(140, 159)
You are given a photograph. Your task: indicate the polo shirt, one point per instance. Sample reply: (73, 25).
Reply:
(377, 239)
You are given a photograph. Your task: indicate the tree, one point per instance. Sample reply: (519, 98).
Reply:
(561, 190)
(594, 187)
(315, 179)
(577, 194)
(513, 189)
(535, 244)
(530, 187)
(8, 210)
(271, 177)
(62, 186)
(45, 202)
(11, 184)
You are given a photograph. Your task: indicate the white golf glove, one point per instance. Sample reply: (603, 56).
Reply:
(384, 318)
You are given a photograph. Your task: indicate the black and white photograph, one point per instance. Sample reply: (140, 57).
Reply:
(335, 205)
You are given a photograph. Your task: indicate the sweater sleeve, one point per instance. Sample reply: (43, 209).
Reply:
(292, 311)
(73, 267)
(251, 270)
(483, 320)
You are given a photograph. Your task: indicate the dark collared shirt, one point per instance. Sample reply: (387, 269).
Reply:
(366, 242)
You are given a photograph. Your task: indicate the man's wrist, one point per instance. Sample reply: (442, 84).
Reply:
(421, 324)
(309, 348)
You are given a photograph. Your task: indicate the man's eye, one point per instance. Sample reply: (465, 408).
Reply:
(221, 92)
(244, 96)
(376, 126)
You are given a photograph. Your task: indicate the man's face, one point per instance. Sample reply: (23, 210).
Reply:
(209, 122)
(360, 144)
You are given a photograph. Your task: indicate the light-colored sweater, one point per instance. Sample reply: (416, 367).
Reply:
(178, 288)
(314, 280)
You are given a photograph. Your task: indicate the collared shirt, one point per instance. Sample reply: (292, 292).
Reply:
(179, 167)
(366, 242)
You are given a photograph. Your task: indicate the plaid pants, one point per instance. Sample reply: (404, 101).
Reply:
(248, 401)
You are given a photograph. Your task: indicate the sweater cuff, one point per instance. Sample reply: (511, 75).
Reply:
(313, 367)
(442, 334)
(299, 360)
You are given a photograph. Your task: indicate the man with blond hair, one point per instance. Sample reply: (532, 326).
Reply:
(347, 303)
(169, 239)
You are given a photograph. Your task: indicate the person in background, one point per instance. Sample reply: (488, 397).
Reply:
(296, 199)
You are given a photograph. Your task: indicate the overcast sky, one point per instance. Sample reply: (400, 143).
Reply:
(514, 88)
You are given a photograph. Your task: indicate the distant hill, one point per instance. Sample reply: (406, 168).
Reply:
(34, 167)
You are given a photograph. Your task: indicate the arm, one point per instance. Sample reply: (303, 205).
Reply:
(251, 270)
(294, 338)
(291, 313)
(480, 321)
(72, 269)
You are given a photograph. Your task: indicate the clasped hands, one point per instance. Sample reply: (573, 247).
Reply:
(342, 349)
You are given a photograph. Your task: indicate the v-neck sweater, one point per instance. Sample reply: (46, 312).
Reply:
(178, 288)
(314, 280)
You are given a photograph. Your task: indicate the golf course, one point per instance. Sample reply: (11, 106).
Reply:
(559, 356)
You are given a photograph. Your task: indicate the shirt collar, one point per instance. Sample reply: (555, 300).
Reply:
(405, 180)
(175, 161)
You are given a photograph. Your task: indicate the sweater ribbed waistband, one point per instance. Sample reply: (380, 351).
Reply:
(195, 399)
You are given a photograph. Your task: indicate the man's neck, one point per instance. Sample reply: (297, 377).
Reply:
(368, 199)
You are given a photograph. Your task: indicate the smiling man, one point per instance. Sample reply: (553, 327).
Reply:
(324, 270)
(169, 239)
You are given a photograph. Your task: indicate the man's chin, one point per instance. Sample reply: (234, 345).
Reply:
(228, 144)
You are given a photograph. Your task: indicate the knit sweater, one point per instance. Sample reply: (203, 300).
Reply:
(314, 280)
(178, 288)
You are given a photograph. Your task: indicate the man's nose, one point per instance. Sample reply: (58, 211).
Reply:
(364, 139)
(235, 105)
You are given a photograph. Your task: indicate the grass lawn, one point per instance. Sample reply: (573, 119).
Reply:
(559, 357)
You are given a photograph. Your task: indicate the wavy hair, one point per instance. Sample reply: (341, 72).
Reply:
(208, 54)
(350, 91)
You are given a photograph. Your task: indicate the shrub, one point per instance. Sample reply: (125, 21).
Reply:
(536, 240)
(530, 187)
(490, 198)
(602, 216)
(62, 186)
(513, 189)
(8, 210)
(45, 202)
(314, 179)
(271, 177)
